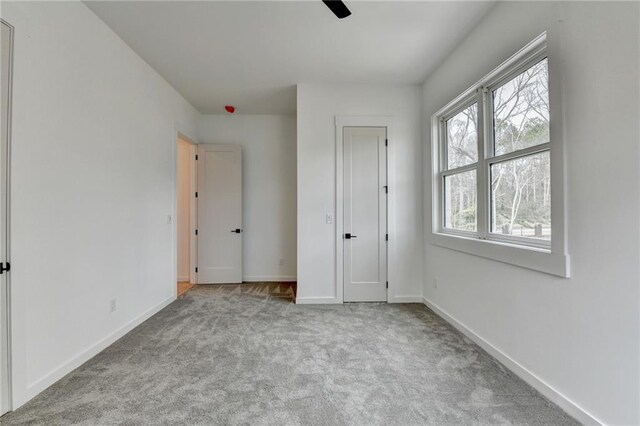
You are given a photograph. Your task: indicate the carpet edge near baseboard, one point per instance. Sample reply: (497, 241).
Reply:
(566, 404)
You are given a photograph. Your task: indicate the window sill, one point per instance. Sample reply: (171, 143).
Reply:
(527, 257)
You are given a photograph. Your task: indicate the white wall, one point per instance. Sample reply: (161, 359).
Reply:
(579, 335)
(269, 189)
(92, 168)
(184, 177)
(317, 107)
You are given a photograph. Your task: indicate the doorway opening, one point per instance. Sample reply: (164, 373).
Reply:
(186, 218)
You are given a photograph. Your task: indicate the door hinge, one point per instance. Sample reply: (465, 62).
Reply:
(387, 284)
(386, 189)
(196, 269)
(5, 267)
(196, 195)
(196, 157)
(386, 237)
(386, 142)
(196, 232)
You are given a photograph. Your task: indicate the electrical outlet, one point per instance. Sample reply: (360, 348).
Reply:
(282, 261)
(328, 218)
(435, 283)
(112, 305)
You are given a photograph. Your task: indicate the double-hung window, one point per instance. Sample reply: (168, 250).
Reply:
(492, 160)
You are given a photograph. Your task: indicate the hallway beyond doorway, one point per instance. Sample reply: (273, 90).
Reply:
(183, 287)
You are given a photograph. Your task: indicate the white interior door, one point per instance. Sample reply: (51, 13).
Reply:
(219, 214)
(365, 214)
(5, 88)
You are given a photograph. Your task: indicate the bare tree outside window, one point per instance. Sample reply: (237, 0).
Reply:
(460, 196)
(462, 138)
(461, 187)
(521, 187)
(521, 110)
(521, 197)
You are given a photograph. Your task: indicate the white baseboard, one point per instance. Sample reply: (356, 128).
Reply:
(183, 278)
(269, 278)
(317, 301)
(537, 383)
(404, 299)
(335, 300)
(43, 383)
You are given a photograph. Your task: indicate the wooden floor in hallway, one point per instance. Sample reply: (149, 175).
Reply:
(183, 287)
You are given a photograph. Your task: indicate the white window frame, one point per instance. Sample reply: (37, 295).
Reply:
(542, 255)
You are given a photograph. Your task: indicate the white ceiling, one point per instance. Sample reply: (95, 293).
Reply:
(252, 54)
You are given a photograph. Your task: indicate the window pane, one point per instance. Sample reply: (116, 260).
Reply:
(460, 201)
(462, 138)
(521, 197)
(521, 110)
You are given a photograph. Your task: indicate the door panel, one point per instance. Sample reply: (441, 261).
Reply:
(219, 213)
(365, 214)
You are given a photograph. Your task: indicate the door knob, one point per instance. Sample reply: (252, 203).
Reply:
(349, 236)
(236, 231)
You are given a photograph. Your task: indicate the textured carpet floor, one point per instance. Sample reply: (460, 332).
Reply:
(239, 355)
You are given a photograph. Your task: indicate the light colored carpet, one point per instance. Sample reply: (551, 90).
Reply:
(238, 355)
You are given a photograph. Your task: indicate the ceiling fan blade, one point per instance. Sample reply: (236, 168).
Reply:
(338, 8)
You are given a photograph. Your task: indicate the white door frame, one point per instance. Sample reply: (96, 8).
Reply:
(342, 121)
(180, 133)
(6, 392)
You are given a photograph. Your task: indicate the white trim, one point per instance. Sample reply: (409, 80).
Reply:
(342, 121)
(183, 278)
(405, 299)
(339, 208)
(6, 370)
(193, 219)
(536, 382)
(318, 300)
(269, 278)
(527, 257)
(557, 134)
(43, 383)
